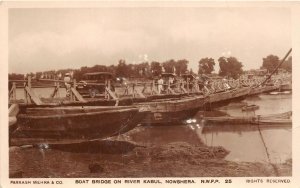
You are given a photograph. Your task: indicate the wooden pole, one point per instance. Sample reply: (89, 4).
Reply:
(54, 92)
(107, 86)
(29, 87)
(25, 93)
(58, 86)
(169, 86)
(74, 87)
(12, 93)
(188, 85)
(152, 87)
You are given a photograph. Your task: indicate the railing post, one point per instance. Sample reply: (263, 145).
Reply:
(135, 88)
(74, 87)
(57, 86)
(13, 91)
(107, 85)
(188, 85)
(27, 96)
(152, 87)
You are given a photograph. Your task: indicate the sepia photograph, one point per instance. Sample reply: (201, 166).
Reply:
(150, 92)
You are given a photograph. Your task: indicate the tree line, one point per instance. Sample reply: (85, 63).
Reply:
(229, 67)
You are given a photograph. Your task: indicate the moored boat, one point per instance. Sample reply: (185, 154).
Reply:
(281, 118)
(284, 115)
(172, 111)
(262, 89)
(228, 95)
(280, 92)
(250, 107)
(76, 122)
(286, 87)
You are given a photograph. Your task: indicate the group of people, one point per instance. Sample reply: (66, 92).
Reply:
(163, 84)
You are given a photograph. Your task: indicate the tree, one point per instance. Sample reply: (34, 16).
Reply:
(99, 68)
(206, 66)
(270, 62)
(287, 65)
(14, 76)
(230, 67)
(181, 66)
(143, 69)
(122, 69)
(169, 66)
(156, 69)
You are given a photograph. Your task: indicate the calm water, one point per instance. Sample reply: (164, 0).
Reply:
(245, 142)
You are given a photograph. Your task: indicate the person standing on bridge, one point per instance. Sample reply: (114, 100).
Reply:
(67, 80)
(160, 83)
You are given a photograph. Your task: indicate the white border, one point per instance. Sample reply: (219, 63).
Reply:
(4, 6)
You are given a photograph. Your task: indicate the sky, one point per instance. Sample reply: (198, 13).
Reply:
(58, 38)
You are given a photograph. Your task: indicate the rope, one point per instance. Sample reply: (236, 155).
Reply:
(267, 152)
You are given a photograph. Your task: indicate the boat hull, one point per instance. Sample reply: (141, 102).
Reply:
(76, 123)
(265, 89)
(172, 112)
(224, 98)
(250, 108)
(271, 119)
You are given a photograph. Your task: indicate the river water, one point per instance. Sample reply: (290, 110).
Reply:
(245, 142)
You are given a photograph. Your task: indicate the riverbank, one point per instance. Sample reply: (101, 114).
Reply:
(108, 159)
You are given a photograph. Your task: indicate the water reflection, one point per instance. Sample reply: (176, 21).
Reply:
(160, 135)
(269, 143)
(246, 143)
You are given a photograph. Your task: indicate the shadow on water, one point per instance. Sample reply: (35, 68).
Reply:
(268, 143)
(250, 143)
(160, 135)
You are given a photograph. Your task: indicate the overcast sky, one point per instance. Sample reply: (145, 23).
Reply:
(52, 39)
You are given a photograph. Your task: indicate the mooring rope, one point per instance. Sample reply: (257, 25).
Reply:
(266, 149)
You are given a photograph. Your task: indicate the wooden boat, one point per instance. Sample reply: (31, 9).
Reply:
(245, 120)
(250, 107)
(285, 87)
(280, 92)
(238, 128)
(228, 95)
(273, 122)
(171, 111)
(177, 107)
(285, 115)
(229, 120)
(263, 89)
(76, 122)
(281, 118)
